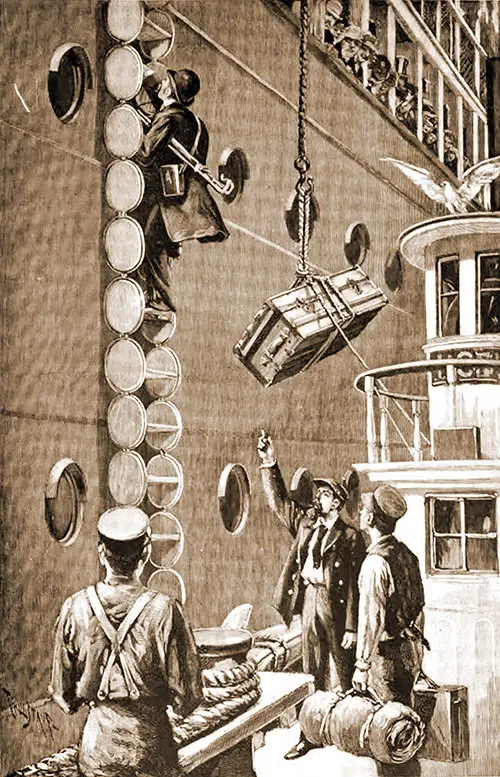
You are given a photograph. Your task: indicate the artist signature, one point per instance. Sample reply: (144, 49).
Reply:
(29, 713)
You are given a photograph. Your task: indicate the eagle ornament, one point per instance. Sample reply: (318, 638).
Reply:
(456, 200)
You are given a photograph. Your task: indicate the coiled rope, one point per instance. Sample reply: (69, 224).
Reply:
(279, 652)
(231, 676)
(223, 693)
(205, 719)
(226, 694)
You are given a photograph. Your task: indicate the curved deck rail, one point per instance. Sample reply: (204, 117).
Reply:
(371, 384)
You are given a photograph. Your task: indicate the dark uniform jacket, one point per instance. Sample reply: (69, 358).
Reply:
(194, 214)
(344, 550)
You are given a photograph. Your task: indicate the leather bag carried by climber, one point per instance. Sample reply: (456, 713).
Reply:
(172, 177)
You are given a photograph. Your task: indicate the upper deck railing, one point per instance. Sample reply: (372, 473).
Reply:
(381, 402)
(425, 60)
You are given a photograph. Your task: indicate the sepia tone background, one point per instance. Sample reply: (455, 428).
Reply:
(53, 394)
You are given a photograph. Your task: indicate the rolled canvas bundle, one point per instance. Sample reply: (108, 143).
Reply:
(362, 725)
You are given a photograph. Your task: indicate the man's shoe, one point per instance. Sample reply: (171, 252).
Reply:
(301, 748)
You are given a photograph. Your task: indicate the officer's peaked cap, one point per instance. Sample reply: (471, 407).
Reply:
(385, 500)
(123, 524)
(338, 489)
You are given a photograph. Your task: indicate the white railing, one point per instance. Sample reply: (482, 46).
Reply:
(382, 404)
(424, 59)
(450, 78)
(381, 407)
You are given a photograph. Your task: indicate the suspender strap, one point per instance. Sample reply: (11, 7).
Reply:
(194, 147)
(101, 616)
(117, 638)
(188, 156)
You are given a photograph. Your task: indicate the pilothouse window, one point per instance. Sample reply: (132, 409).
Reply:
(489, 293)
(448, 296)
(462, 534)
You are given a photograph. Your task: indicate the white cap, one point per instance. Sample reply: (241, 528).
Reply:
(123, 524)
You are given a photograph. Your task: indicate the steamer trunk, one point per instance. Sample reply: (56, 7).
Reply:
(313, 319)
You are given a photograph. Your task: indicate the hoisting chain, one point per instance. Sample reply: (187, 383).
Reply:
(304, 186)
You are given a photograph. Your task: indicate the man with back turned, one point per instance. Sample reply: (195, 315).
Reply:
(128, 653)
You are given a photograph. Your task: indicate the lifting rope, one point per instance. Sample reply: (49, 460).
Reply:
(304, 186)
(304, 189)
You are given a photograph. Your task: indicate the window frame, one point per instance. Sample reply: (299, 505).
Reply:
(430, 534)
(482, 255)
(440, 260)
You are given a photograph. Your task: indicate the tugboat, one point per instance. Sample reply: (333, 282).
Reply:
(452, 479)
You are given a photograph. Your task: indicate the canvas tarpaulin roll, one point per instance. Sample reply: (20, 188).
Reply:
(362, 725)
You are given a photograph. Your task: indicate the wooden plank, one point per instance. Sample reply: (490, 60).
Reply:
(280, 691)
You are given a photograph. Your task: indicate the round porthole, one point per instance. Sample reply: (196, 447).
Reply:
(70, 75)
(233, 167)
(234, 497)
(65, 495)
(356, 243)
(302, 487)
(351, 483)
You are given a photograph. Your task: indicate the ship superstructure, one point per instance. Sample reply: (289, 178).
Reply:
(450, 475)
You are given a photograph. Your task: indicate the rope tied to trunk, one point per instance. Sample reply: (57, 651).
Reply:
(304, 185)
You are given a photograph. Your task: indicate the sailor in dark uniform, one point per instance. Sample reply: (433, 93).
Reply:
(177, 205)
(319, 579)
(128, 653)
